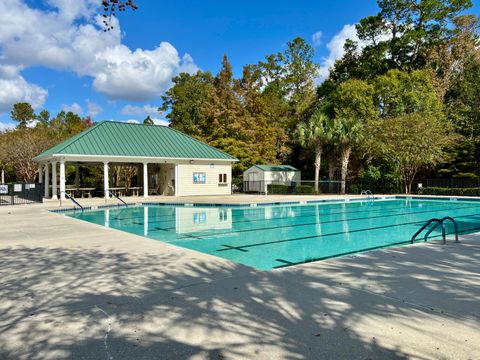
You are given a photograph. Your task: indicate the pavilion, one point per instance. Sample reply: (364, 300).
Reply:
(176, 163)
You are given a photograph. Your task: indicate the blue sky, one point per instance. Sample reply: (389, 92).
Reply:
(54, 55)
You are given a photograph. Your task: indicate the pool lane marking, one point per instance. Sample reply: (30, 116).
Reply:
(204, 236)
(394, 211)
(331, 234)
(304, 215)
(280, 217)
(290, 263)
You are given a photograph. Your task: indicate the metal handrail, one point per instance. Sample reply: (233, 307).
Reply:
(118, 197)
(438, 222)
(68, 196)
(368, 193)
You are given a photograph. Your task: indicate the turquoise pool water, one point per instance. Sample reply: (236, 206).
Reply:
(268, 237)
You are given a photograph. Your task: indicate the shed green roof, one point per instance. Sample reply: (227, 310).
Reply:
(111, 138)
(276, 168)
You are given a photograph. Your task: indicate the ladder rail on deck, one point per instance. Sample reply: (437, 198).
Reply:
(70, 197)
(118, 197)
(439, 222)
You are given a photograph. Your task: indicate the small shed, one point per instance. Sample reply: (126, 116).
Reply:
(258, 177)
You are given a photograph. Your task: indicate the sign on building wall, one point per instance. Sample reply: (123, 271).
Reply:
(3, 189)
(199, 178)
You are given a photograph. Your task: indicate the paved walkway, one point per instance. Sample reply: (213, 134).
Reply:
(71, 289)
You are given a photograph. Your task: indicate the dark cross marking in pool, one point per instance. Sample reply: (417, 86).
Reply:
(159, 228)
(230, 247)
(286, 262)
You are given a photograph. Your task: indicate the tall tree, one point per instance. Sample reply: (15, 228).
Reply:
(411, 142)
(148, 121)
(23, 113)
(401, 36)
(315, 134)
(348, 132)
(185, 102)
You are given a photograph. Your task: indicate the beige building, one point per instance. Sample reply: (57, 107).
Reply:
(168, 161)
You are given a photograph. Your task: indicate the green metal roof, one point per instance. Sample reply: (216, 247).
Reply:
(276, 168)
(111, 138)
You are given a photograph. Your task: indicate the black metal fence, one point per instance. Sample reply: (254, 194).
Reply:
(450, 183)
(20, 193)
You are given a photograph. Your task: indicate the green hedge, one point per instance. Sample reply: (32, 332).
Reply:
(278, 189)
(449, 191)
(304, 189)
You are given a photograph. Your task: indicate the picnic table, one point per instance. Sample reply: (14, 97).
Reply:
(84, 192)
(135, 190)
(120, 191)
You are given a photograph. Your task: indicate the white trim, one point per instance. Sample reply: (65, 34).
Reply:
(176, 180)
(118, 158)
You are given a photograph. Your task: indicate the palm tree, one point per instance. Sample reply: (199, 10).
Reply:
(315, 133)
(347, 132)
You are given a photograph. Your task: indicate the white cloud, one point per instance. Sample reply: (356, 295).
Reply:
(156, 121)
(93, 108)
(317, 39)
(161, 122)
(14, 88)
(140, 110)
(6, 126)
(336, 50)
(58, 40)
(75, 108)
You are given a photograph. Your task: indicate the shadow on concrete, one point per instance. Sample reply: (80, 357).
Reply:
(79, 303)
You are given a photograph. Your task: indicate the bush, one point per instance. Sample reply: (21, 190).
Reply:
(277, 189)
(304, 189)
(449, 191)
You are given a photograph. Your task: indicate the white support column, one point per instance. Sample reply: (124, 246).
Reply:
(54, 180)
(62, 180)
(145, 180)
(105, 180)
(40, 173)
(176, 179)
(47, 182)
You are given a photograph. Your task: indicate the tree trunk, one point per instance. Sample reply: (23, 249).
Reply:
(331, 172)
(318, 163)
(345, 158)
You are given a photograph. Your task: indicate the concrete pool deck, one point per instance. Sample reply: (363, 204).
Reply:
(72, 289)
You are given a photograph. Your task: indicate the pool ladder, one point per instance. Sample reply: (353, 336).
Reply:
(438, 223)
(368, 194)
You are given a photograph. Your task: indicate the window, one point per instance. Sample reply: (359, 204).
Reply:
(199, 178)
(222, 178)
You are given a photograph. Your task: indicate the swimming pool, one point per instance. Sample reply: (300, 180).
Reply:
(275, 236)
